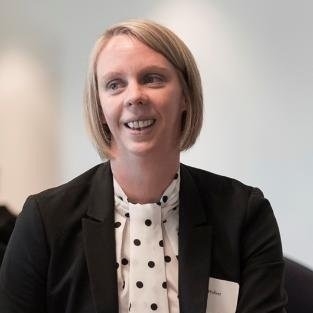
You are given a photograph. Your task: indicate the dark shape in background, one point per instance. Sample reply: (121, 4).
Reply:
(7, 222)
(299, 286)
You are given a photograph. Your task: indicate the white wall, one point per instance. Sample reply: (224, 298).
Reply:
(256, 60)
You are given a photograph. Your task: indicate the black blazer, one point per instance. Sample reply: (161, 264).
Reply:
(61, 256)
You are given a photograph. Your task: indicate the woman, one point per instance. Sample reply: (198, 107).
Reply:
(143, 232)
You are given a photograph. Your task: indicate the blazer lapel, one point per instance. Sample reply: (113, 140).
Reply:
(99, 242)
(194, 247)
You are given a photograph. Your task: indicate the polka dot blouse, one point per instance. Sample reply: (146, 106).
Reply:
(150, 242)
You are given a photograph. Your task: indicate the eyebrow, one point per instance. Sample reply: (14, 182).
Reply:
(150, 68)
(155, 68)
(106, 77)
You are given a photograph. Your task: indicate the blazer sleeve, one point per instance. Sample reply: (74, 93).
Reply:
(24, 268)
(262, 265)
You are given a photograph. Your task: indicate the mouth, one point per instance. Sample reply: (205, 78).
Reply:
(140, 124)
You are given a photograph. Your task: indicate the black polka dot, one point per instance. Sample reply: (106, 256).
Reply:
(164, 221)
(148, 222)
(154, 306)
(151, 264)
(117, 224)
(164, 198)
(117, 265)
(139, 284)
(164, 285)
(174, 209)
(124, 261)
(127, 214)
(121, 198)
(176, 176)
(130, 305)
(123, 285)
(161, 243)
(167, 259)
(158, 203)
(137, 242)
(177, 257)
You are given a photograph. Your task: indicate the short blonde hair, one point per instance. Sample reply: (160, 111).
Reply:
(165, 42)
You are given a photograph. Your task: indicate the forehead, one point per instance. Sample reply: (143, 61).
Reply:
(126, 51)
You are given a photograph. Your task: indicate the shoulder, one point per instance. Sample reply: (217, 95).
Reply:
(78, 185)
(226, 199)
(216, 184)
(63, 207)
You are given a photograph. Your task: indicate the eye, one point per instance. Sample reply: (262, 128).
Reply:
(114, 86)
(154, 79)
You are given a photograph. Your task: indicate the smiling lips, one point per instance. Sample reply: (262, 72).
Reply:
(139, 125)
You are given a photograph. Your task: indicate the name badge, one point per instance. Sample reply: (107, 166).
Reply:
(222, 297)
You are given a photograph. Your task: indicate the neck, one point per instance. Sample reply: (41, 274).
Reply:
(144, 180)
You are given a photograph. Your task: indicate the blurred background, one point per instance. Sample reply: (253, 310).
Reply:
(256, 61)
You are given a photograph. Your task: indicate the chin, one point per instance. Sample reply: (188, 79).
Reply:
(143, 149)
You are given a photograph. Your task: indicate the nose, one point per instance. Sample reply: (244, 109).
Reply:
(135, 94)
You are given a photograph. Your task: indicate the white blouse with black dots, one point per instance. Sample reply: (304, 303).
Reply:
(169, 204)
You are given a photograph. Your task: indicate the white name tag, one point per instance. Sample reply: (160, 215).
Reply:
(222, 297)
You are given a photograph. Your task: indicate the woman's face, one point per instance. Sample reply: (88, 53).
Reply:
(141, 98)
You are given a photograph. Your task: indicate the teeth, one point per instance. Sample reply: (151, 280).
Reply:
(139, 124)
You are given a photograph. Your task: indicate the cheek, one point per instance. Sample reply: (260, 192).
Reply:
(111, 117)
(177, 105)
(103, 113)
(107, 115)
(106, 109)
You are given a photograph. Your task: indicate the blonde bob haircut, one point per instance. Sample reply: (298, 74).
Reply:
(165, 42)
